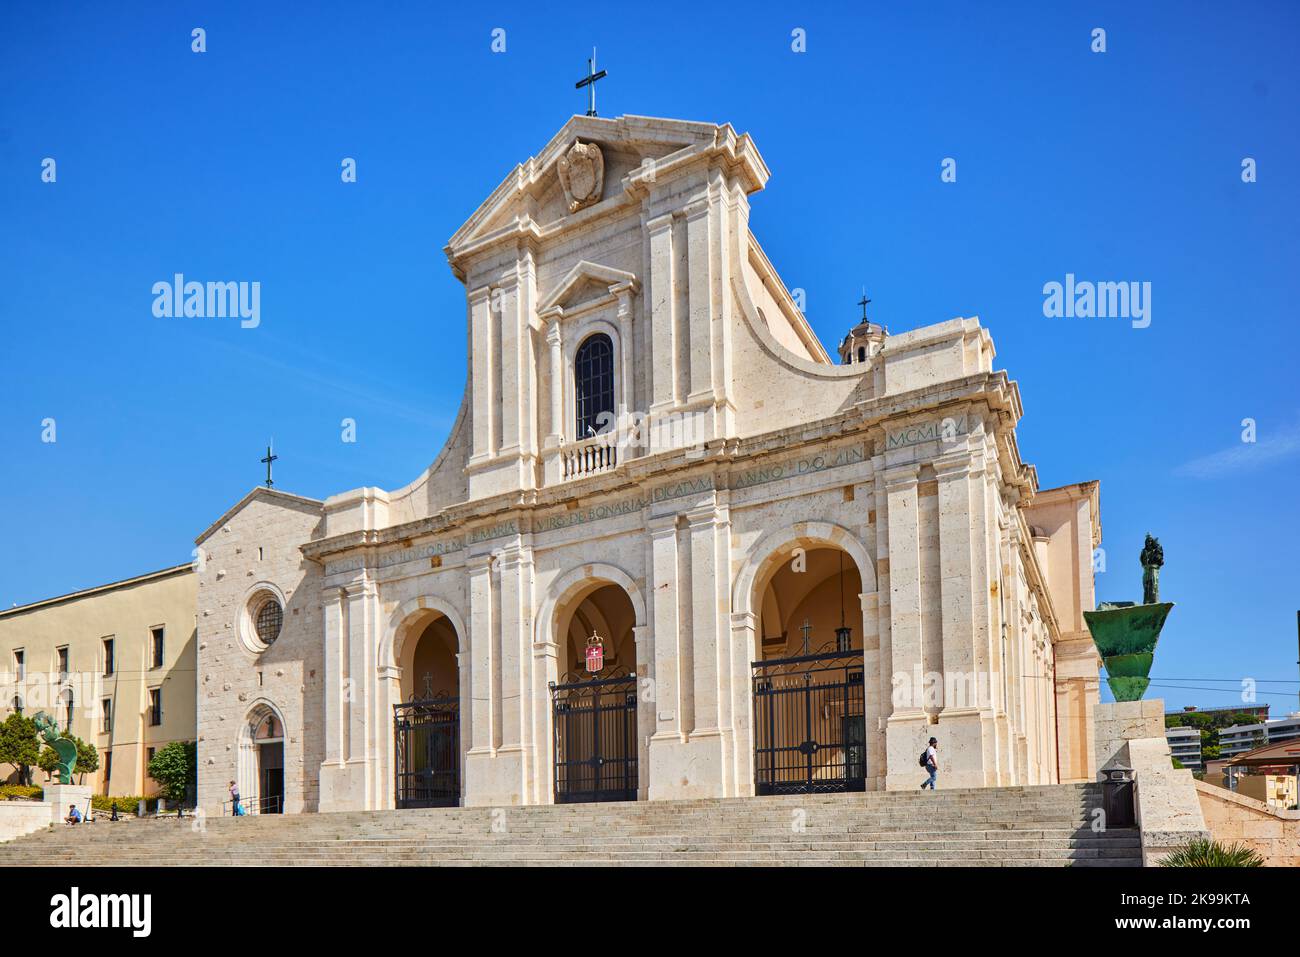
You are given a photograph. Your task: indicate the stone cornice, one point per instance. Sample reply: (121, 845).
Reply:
(865, 422)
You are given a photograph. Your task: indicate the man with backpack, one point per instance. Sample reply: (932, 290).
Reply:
(930, 761)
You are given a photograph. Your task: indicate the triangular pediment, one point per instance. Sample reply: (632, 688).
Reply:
(584, 282)
(530, 201)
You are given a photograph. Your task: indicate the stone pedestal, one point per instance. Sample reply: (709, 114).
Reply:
(60, 796)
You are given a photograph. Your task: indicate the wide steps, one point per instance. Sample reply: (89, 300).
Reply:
(1032, 826)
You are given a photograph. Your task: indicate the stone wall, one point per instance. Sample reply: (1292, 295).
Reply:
(22, 817)
(1234, 817)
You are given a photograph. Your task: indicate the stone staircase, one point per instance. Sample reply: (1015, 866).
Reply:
(989, 827)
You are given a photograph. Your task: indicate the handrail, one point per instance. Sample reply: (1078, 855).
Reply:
(274, 804)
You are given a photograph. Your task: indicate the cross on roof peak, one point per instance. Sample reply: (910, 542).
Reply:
(589, 81)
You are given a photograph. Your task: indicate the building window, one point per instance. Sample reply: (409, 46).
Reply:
(20, 664)
(17, 704)
(67, 709)
(155, 707)
(106, 710)
(593, 376)
(148, 757)
(108, 657)
(108, 768)
(270, 618)
(862, 354)
(156, 637)
(62, 667)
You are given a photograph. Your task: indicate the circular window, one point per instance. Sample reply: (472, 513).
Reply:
(270, 616)
(261, 617)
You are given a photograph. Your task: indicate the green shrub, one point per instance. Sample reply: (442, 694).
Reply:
(21, 792)
(126, 803)
(1203, 853)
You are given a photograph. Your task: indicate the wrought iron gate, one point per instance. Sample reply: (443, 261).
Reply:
(809, 732)
(428, 752)
(595, 740)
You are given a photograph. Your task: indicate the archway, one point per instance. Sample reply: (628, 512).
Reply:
(427, 753)
(596, 747)
(260, 771)
(809, 693)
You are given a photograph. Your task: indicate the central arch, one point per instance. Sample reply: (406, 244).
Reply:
(808, 707)
(595, 735)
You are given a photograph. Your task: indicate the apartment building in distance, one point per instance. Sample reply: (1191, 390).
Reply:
(115, 664)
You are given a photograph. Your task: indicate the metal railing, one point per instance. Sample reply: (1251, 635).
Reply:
(273, 804)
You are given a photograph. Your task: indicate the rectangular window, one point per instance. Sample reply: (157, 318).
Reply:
(155, 706)
(108, 768)
(20, 664)
(106, 708)
(108, 657)
(62, 654)
(148, 757)
(157, 635)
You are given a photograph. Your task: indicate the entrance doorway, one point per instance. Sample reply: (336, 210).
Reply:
(268, 739)
(426, 725)
(809, 696)
(594, 705)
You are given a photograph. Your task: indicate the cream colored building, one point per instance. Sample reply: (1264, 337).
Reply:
(117, 662)
(796, 568)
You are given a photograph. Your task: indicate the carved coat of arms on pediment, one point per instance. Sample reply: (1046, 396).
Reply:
(582, 174)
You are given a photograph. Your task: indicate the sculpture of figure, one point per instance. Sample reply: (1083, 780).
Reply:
(1152, 557)
(65, 748)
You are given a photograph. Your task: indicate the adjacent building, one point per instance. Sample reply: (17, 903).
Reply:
(114, 664)
(1185, 746)
(1239, 739)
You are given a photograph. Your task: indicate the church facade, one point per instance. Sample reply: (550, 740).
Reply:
(672, 548)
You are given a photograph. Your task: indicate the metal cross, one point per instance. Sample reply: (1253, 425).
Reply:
(863, 303)
(268, 460)
(428, 684)
(806, 629)
(590, 83)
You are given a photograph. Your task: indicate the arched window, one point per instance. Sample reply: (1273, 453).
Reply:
(862, 354)
(593, 377)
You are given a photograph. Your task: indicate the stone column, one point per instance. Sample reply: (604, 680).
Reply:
(660, 298)
(708, 531)
(671, 720)
(484, 678)
(626, 398)
(700, 305)
(514, 754)
(908, 724)
(642, 636)
(744, 649)
(966, 719)
(482, 350)
(874, 711)
(554, 340)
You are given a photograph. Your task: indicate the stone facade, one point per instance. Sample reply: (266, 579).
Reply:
(736, 448)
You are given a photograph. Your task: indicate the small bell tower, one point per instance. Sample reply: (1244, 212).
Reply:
(864, 341)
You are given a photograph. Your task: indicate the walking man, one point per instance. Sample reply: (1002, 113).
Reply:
(930, 761)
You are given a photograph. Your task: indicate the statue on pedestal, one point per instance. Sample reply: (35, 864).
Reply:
(1126, 634)
(65, 748)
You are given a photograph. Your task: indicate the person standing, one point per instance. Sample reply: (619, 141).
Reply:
(930, 761)
(236, 808)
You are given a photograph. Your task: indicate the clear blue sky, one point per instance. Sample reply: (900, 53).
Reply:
(1123, 165)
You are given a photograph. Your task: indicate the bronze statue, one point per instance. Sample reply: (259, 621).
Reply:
(1152, 557)
(65, 748)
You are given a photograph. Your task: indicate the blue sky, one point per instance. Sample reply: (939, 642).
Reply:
(1115, 166)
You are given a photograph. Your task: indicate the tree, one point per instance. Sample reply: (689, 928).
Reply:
(87, 758)
(18, 745)
(175, 768)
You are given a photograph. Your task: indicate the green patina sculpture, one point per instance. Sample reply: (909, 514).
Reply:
(65, 748)
(1126, 634)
